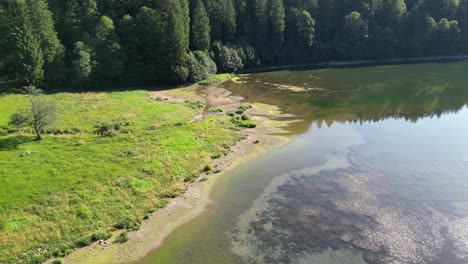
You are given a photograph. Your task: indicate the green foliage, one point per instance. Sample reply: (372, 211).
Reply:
(207, 168)
(277, 25)
(122, 238)
(243, 108)
(82, 65)
(101, 235)
(216, 110)
(83, 242)
(216, 155)
(201, 66)
(198, 105)
(43, 113)
(58, 261)
(227, 58)
(152, 42)
(243, 121)
(19, 119)
(201, 38)
(216, 79)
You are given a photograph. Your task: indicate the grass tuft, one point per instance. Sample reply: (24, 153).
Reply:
(217, 78)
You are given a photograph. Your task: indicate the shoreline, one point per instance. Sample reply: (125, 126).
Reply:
(357, 63)
(192, 202)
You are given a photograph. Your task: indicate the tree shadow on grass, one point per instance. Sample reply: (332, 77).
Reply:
(12, 143)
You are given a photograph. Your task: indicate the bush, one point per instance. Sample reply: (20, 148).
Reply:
(19, 119)
(58, 261)
(243, 121)
(227, 58)
(216, 79)
(179, 74)
(195, 105)
(111, 129)
(242, 109)
(191, 177)
(122, 238)
(83, 242)
(128, 223)
(101, 235)
(248, 124)
(207, 168)
(216, 156)
(216, 110)
(201, 66)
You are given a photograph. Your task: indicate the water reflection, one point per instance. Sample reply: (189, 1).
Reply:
(376, 172)
(359, 95)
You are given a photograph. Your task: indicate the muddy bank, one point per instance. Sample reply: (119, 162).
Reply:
(192, 203)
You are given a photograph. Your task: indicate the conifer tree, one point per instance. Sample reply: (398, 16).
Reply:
(201, 38)
(277, 24)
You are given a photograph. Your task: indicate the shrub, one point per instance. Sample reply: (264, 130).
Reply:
(242, 109)
(227, 58)
(179, 74)
(128, 223)
(216, 110)
(64, 250)
(234, 58)
(109, 129)
(201, 66)
(19, 119)
(216, 156)
(101, 235)
(122, 238)
(83, 242)
(248, 124)
(245, 117)
(195, 105)
(191, 177)
(217, 78)
(58, 261)
(207, 168)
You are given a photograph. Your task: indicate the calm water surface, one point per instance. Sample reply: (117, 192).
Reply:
(376, 172)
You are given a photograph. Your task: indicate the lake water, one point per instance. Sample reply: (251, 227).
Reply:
(376, 171)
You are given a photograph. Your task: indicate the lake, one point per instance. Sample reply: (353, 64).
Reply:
(376, 171)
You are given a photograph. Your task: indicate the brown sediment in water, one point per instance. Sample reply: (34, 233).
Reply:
(192, 203)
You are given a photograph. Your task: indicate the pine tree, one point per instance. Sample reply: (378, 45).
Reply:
(201, 38)
(229, 28)
(28, 68)
(261, 25)
(277, 24)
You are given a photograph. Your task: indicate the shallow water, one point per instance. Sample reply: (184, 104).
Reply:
(376, 172)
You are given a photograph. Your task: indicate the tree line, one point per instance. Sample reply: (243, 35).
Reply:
(133, 42)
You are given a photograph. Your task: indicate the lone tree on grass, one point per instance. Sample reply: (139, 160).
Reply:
(42, 112)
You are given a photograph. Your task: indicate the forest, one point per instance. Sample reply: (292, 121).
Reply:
(79, 44)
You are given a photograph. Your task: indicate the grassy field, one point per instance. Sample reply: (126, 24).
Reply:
(56, 193)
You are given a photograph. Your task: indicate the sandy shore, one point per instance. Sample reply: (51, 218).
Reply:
(192, 203)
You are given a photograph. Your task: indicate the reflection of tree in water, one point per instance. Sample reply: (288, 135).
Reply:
(372, 94)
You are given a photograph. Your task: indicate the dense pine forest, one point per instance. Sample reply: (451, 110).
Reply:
(134, 42)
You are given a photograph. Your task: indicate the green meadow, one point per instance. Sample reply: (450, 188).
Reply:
(109, 161)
